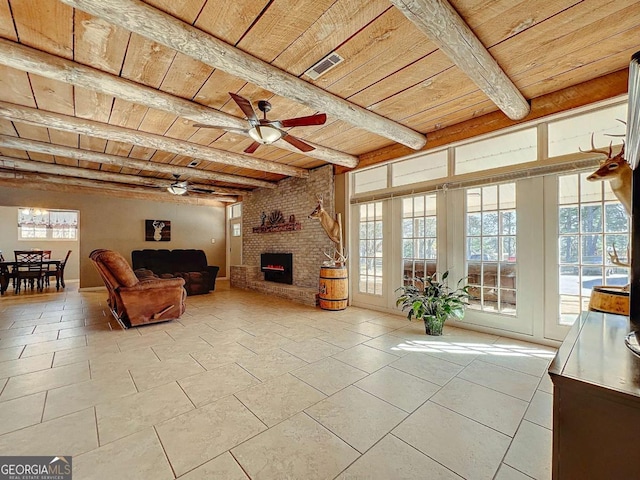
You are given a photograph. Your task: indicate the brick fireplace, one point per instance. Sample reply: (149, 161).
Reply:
(295, 198)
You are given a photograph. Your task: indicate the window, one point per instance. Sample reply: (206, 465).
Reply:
(235, 211)
(236, 230)
(491, 247)
(419, 169)
(38, 224)
(569, 134)
(504, 150)
(591, 224)
(370, 275)
(371, 179)
(419, 247)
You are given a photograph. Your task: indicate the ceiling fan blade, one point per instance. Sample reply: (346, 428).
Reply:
(202, 190)
(317, 119)
(245, 106)
(252, 148)
(299, 144)
(220, 127)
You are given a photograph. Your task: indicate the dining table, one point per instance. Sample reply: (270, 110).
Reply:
(7, 266)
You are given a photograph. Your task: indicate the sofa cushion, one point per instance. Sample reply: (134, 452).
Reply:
(143, 273)
(119, 268)
(189, 260)
(159, 261)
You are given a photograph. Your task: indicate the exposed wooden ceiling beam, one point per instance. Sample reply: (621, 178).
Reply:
(161, 27)
(602, 88)
(67, 123)
(41, 181)
(125, 162)
(44, 64)
(444, 27)
(77, 172)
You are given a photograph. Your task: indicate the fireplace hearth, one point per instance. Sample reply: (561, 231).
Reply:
(277, 267)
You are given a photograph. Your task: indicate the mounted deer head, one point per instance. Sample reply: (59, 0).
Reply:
(328, 224)
(333, 228)
(617, 171)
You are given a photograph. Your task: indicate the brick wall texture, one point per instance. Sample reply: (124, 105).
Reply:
(293, 196)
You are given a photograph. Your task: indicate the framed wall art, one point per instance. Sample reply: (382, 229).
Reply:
(157, 230)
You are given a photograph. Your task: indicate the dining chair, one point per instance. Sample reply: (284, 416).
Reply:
(49, 269)
(57, 272)
(28, 269)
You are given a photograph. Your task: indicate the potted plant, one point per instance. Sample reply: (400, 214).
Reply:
(435, 302)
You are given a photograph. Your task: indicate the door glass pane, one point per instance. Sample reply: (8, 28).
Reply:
(592, 226)
(419, 245)
(371, 248)
(491, 248)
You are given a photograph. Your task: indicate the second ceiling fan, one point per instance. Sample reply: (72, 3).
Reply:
(265, 131)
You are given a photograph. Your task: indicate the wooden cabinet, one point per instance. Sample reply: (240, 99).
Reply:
(596, 402)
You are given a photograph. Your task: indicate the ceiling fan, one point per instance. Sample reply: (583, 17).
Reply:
(264, 131)
(182, 187)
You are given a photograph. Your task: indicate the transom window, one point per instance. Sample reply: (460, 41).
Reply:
(235, 211)
(419, 169)
(419, 245)
(370, 274)
(491, 248)
(508, 149)
(591, 224)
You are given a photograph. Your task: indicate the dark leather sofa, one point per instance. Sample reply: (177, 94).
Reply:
(189, 264)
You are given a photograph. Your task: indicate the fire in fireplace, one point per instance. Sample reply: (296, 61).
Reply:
(277, 267)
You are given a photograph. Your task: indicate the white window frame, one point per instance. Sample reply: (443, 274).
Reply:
(48, 228)
(554, 329)
(416, 238)
(368, 297)
(537, 270)
(480, 287)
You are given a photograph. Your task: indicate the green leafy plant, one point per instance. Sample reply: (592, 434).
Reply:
(435, 302)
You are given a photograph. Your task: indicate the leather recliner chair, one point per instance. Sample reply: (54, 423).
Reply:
(138, 302)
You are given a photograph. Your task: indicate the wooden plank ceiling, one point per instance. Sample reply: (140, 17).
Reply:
(390, 69)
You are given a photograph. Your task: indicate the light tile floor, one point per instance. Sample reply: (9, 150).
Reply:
(248, 386)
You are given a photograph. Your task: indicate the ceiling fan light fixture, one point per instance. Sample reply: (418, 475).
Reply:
(269, 134)
(177, 189)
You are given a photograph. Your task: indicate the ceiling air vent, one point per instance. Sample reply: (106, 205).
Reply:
(324, 65)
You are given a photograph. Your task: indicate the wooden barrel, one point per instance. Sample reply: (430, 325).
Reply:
(609, 299)
(334, 288)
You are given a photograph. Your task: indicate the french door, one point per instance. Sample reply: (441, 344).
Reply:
(369, 275)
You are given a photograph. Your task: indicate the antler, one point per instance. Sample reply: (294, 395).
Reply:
(617, 134)
(341, 258)
(336, 258)
(596, 150)
(613, 257)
